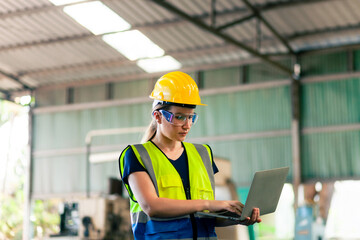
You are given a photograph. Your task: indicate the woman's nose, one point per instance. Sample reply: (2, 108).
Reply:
(188, 123)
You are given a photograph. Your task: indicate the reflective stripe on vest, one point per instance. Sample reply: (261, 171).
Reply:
(144, 155)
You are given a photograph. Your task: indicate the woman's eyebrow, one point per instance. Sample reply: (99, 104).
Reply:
(183, 113)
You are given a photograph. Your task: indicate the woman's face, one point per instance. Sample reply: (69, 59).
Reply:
(179, 128)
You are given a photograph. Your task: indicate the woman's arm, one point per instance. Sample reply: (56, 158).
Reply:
(154, 206)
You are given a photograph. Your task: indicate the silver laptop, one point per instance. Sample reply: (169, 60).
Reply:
(264, 194)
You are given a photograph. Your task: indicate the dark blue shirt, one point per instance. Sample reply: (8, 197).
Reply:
(131, 164)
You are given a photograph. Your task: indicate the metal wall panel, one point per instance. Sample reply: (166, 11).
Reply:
(331, 155)
(56, 131)
(357, 60)
(132, 89)
(67, 131)
(52, 97)
(264, 72)
(54, 168)
(330, 103)
(325, 63)
(92, 93)
(250, 155)
(244, 112)
(222, 78)
(59, 175)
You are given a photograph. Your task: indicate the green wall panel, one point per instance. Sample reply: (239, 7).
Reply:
(221, 77)
(51, 97)
(100, 174)
(330, 103)
(262, 72)
(250, 155)
(57, 175)
(72, 172)
(324, 63)
(92, 93)
(331, 155)
(244, 111)
(69, 129)
(132, 89)
(56, 130)
(356, 63)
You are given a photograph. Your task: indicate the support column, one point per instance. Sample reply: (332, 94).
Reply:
(295, 131)
(27, 234)
(88, 170)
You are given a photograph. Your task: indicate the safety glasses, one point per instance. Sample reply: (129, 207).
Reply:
(179, 119)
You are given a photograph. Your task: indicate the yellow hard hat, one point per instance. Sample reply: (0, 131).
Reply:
(176, 87)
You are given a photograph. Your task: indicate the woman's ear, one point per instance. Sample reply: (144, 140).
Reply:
(157, 116)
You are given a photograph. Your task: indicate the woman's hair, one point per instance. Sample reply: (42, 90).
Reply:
(151, 130)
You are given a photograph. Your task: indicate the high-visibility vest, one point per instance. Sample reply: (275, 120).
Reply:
(168, 184)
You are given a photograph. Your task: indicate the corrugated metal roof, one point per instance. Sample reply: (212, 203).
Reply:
(40, 45)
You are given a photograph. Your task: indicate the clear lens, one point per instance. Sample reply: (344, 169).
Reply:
(179, 119)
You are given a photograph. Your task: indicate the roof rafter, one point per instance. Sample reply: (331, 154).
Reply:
(268, 7)
(6, 93)
(269, 26)
(15, 79)
(221, 35)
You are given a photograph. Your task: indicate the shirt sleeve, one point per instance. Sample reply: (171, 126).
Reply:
(215, 169)
(131, 165)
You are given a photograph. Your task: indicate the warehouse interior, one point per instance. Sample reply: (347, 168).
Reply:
(281, 79)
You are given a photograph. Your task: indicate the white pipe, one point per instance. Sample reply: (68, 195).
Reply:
(112, 131)
(103, 132)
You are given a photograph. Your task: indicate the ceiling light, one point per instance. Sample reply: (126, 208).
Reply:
(133, 45)
(24, 100)
(97, 17)
(160, 64)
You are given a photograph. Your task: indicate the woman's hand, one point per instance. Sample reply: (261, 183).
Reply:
(255, 218)
(220, 222)
(231, 206)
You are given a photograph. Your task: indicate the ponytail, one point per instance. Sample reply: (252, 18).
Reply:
(151, 130)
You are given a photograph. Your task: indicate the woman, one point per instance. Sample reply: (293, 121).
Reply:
(169, 180)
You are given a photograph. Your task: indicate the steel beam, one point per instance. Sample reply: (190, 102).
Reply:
(236, 22)
(15, 79)
(269, 26)
(6, 94)
(267, 7)
(213, 13)
(221, 35)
